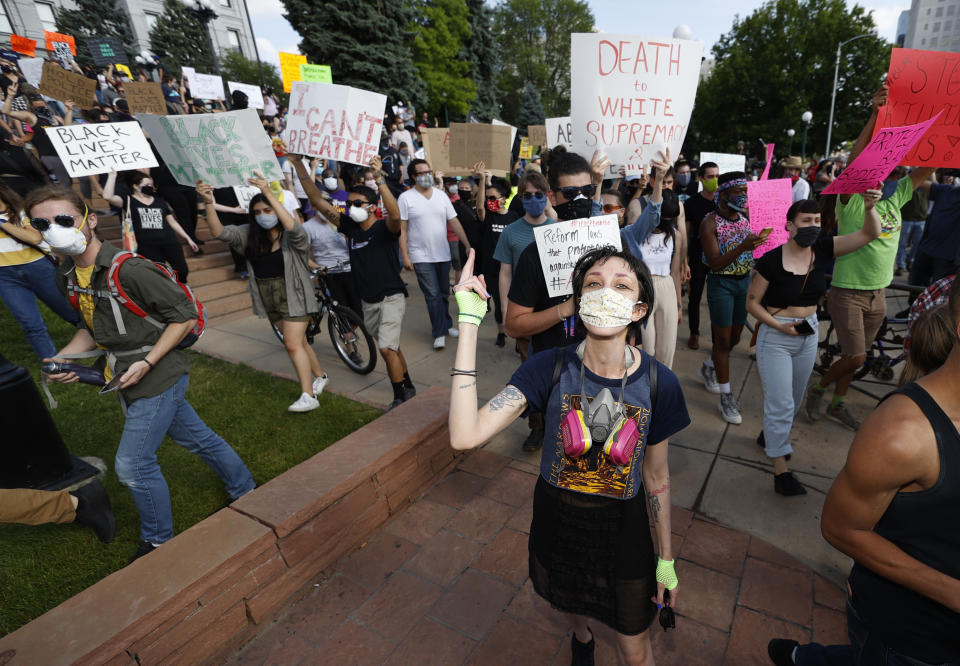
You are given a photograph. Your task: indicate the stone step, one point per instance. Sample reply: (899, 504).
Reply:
(209, 260)
(205, 276)
(235, 304)
(222, 289)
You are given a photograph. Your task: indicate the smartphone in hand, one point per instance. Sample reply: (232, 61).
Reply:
(803, 327)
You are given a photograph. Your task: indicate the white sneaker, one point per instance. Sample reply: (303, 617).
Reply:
(453, 333)
(729, 409)
(304, 403)
(439, 343)
(319, 383)
(709, 376)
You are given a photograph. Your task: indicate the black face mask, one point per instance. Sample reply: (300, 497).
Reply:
(574, 209)
(147, 190)
(806, 236)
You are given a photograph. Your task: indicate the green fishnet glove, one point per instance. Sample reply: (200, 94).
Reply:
(472, 307)
(666, 574)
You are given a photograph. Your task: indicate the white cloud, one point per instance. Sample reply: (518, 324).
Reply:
(886, 20)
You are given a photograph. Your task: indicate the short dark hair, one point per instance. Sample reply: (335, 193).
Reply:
(365, 191)
(565, 163)
(500, 185)
(810, 206)
(601, 255)
(707, 165)
(412, 168)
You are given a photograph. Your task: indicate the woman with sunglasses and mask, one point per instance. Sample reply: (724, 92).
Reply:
(26, 273)
(494, 218)
(591, 552)
(277, 250)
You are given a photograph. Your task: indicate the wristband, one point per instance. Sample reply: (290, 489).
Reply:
(666, 574)
(148, 362)
(472, 307)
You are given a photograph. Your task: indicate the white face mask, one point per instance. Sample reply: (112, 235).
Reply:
(606, 308)
(425, 181)
(453, 189)
(358, 214)
(66, 240)
(330, 183)
(372, 184)
(266, 220)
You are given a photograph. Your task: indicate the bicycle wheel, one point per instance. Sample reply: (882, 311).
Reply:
(313, 327)
(350, 338)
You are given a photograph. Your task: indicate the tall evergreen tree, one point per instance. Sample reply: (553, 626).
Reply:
(531, 108)
(368, 44)
(179, 38)
(237, 67)
(441, 31)
(484, 53)
(96, 18)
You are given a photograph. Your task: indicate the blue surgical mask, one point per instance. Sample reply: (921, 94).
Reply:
(683, 179)
(535, 205)
(266, 220)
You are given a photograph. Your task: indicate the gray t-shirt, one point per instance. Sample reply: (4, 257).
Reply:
(328, 247)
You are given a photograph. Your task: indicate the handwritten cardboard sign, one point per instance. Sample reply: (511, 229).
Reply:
(224, 149)
(924, 84)
(94, 148)
(768, 201)
(631, 96)
(885, 151)
(336, 122)
(513, 130)
(203, 86)
(477, 142)
(436, 144)
(316, 73)
(253, 93)
(725, 161)
(58, 83)
(537, 135)
(106, 51)
(559, 132)
(24, 45)
(560, 245)
(526, 148)
(290, 68)
(51, 37)
(145, 97)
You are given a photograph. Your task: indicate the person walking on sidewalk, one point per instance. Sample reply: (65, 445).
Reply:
(591, 552)
(891, 509)
(697, 207)
(277, 251)
(786, 286)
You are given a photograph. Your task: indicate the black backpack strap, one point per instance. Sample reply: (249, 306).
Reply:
(557, 369)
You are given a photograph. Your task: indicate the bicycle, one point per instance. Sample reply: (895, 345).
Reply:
(359, 354)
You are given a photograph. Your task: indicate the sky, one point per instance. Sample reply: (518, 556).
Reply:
(706, 20)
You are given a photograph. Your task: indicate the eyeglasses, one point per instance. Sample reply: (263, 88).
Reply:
(611, 208)
(533, 195)
(359, 203)
(424, 173)
(41, 224)
(572, 192)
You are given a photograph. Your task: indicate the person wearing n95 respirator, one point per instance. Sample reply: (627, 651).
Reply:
(277, 250)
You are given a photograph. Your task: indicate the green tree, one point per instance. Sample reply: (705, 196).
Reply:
(180, 39)
(531, 108)
(96, 18)
(368, 44)
(484, 53)
(536, 33)
(441, 31)
(237, 67)
(777, 63)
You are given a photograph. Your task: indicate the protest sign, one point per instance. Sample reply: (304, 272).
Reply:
(145, 97)
(290, 68)
(123, 69)
(766, 166)
(61, 51)
(526, 148)
(106, 51)
(879, 158)
(725, 161)
(253, 93)
(768, 201)
(94, 148)
(560, 245)
(436, 144)
(336, 122)
(477, 142)
(203, 86)
(51, 37)
(631, 96)
(58, 83)
(513, 130)
(559, 133)
(924, 84)
(224, 149)
(538, 135)
(24, 45)
(32, 69)
(315, 73)
(245, 193)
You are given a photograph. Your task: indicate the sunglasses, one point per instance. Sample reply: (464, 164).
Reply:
(611, 208)
(572, 192)
(359, 203)
(41, 224)
(533, 195)
(490, 197)
(667, 619)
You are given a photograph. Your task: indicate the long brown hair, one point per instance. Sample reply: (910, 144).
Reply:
(931, 340)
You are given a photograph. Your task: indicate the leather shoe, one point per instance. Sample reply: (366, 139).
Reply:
(694, 341)
(94, 511)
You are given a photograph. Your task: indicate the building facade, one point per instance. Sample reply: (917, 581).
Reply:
(934, 25)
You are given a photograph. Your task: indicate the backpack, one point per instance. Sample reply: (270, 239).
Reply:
(118, 296)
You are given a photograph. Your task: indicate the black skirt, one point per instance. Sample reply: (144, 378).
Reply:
(593, 556)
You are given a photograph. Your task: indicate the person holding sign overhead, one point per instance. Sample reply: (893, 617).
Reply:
(610, 411)
(39, 118)
(786, 286)
(277, 250)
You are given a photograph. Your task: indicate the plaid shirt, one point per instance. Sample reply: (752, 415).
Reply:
(936, 294)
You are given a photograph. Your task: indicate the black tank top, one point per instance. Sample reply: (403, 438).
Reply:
(924, 525)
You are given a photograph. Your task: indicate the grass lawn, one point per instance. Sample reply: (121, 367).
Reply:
(41, 566)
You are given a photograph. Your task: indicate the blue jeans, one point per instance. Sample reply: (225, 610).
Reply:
(785, 363)
(20, 286)
(148, 421)
(434, 280)
(866, 649)
(909, 231)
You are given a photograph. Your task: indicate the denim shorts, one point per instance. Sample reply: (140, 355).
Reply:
(727, 299)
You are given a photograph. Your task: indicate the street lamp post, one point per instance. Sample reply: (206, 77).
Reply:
(806, 118)
(790, 133)
(833, 97)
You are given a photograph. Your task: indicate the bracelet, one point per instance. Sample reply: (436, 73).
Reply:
(466, 373)
(145, 360)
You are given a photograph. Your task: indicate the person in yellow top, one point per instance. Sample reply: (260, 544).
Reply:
(26, 275)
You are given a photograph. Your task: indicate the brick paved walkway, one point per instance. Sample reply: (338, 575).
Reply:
(446, 583)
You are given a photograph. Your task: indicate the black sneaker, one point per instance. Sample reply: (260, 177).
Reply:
(355, 357)
(93, 510)
(762, 443)
(582, 652)
(409, 392)
(786, 484)
(501, 339)
(534, 440)
(780, 651)
(145, 548)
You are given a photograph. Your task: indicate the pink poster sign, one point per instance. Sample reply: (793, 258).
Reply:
(768, 201)
(884, 152)
(766, 167)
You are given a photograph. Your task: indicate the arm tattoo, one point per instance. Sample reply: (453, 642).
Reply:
(508, 398)
(654, 500)
(466, 386)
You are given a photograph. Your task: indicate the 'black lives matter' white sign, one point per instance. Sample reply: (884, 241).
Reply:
(86, 150)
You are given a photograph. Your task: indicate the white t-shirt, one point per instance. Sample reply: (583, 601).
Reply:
(290, 203)
(327, 246)
(657, 252)
(288, 169)
(402, 136)
(269, 106)
(426, 225)
(801, 190)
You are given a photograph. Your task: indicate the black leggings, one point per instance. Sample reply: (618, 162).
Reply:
(493, 286)
(171, 253)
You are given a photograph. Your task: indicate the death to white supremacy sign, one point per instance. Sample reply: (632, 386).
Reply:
(631, 96)
(334, 122)
(86, 150)
(560, 245)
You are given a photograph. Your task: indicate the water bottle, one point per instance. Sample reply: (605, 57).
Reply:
(86, 374)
